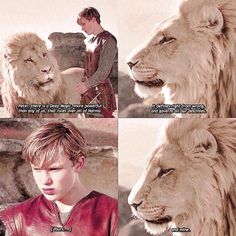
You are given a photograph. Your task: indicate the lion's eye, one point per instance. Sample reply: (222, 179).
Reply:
(167, 40)
(29, 60)
(165, 172)
(44, 54)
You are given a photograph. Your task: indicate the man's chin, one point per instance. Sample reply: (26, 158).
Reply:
(156, 229)
(51, 198)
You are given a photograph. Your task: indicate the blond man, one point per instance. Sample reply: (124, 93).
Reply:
(56, 152)
(100, 58)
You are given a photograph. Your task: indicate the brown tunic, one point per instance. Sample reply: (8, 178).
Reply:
(99, 83)
(94, 215)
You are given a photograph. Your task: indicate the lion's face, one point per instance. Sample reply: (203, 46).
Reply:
(179, 53)
(30, 68)
(30, 74)
(153, 63)
(34, 69)
(178, 181)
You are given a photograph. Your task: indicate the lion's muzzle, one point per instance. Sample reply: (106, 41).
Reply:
(131, 64)
(153, 83)
(162, 220)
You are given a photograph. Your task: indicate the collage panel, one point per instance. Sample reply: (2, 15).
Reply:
(178, 60)
(165, 165)
(58, 176)
(178, 178)
(59, 62)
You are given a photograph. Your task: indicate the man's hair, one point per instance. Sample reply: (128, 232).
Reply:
(88, 13)
(51, 139)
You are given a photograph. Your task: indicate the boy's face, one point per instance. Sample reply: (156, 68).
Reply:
(87, 25)
(58, 179)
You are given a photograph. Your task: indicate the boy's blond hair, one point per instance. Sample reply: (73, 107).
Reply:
(88, 13)
(51, 139)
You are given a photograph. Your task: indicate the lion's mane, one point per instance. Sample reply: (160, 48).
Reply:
(195, 59)
(30, 74)
(191, 178)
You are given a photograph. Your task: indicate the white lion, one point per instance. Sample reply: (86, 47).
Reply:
(191, 58)
(31, 76)
(190, 180)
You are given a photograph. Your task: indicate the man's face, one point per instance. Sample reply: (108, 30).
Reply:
(87, 25)
(56, 182)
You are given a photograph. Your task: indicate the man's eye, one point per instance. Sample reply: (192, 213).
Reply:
(54, 169)
(166, 40)
(29, 60)
(44, 54)
(165, 172)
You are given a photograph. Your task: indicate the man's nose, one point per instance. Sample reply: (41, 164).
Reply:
(46, 178)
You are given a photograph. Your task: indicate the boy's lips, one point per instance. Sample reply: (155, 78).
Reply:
(49, 191)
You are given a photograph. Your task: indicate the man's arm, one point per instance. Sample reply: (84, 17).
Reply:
(106, 60)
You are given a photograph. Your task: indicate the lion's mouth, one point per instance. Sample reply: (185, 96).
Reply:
(153, 83)
(46, 83)
(162, 220)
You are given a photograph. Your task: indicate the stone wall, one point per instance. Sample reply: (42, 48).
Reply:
(68, 49)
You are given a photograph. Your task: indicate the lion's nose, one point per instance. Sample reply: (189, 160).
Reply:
(46, 70)
(135, 205)
(131, 64)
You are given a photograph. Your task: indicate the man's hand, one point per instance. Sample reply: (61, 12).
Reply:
(82, 87)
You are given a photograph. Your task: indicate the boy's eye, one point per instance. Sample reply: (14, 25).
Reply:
(53, 169)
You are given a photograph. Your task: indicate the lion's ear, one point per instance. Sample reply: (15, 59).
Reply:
(204, 142)
(210, 20)
(200, 142)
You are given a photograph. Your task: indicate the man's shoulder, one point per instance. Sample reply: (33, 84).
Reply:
(16, 212)
(103, 198)
(22, 206)
(106, 35)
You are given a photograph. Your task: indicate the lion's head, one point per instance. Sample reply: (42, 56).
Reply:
(190, 58)
(190, 179)
(30, 73)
